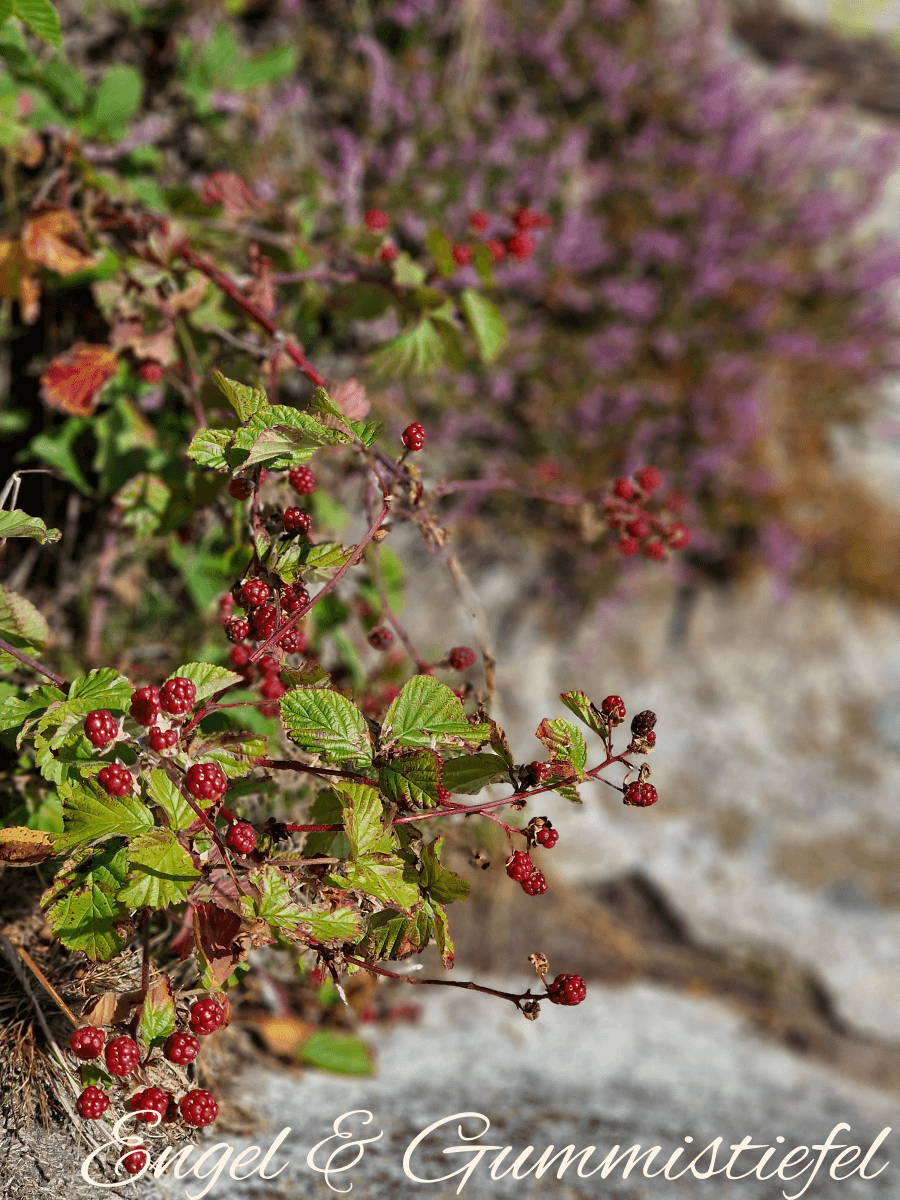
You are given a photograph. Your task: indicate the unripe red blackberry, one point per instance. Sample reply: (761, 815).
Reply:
(655, 550)
(294, 598)
(413, 436)
(527, 218)
(122, 1055)
(161, 739)
(497, 249)
(521, 246)
(87, 1042)
(241, 838)
(628, 547)
(643, 722)
(237, 629)
(240, 488)
(461, 658)
(151, 1100)
(239, 655)
(199, 1108)
(535, 884)
(388, 253)
(567, 989)
(291, 641)
(295, 520)
(254, 593)
(613, 709)
(381, 638)
(679, 535)
(462, 253)
(145, 705)
(268, 666)
(547, 837)
(151, 372)
(538, 771)
(92, 1103)
(206, 781)
(177, 695)
(181, 1048)
(640, 795)
(115, 780)
(650, 478)
(639, 528)
(377, 220)
(135, 1160)
(206, 1016)
(265, 620)
(101, 727)
(624, 488)
(519, 866)
(302, 480)
(272, 689)
(479, 221)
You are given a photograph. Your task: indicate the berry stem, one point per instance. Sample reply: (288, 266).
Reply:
(45, 982)
(28, 661)
(457, 983)
(290, 764)
(373, 558)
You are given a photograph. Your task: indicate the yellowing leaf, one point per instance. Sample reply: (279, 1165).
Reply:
(56, 240)
(72, 382)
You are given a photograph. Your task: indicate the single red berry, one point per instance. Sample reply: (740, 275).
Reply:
(461, 658)
(241, 837)
(294, 598)
(254, 593)
(624, 488)
(115, 780)
(519, 866)
(479, 221)
(206, 781)
(265, 620)
(240, 488)
(547, 837)
(679, 535)
(295, 520)
(239, 655)
(650, 478)
(206, 1016)
(291, 641)
(655, 550)
(413, 437)
(537, 772)
(534, 885)
(101, 727)
(643, 722)
(92, 1103)
(388, 252)
(497, 249)
(302, 480)
(521, 246)
(181, 1048)
(639, 528)
(272, 689)
(151, 372)
(567, 989)
(151, 1100)
(135, 1160)
(145, 706)
(381, 638)
(650, 738)
(268, 666)
(527, 218)
(199, 1108)
(161, 739)
(177, 695)
(87, 1042)
(122, 1055)
(613, 709)
(237, 629)
(377, 220)
(640, 795)
(628, 546)
(462, 253)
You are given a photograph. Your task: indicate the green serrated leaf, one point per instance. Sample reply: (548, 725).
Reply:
(416, 351)
(340, 1053)
(143, 501)
(442, 886)
(274, 904)
(564, 741)
(327, 810)
(442, 936)
(390, 935)
(161, 871)
(412, 780)
(162, 791)
(6, 10)
(393, 882)
(157, 1018)
(322, 403)
(428, 713)
(470, 773)
(325, 723)
(22, 625)
(41, 17)
(343, 925)
(90, 815)
(18, 524)
(584, 710)
(483, 262)
(14, 711)
(105, 688)
(486, 323)
(441, 249)
(118, 97)
(87, 916)
(236, 753)
(362, 814)
(246, 401)
(206, 678)
(209, 448)
(407, 272)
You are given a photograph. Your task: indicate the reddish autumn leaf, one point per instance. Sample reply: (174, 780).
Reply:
(17, 279)
(215, 931)
(73, 381)
(56, 240)
(228, 189)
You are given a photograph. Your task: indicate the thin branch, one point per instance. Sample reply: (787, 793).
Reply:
(515, 998)
(45, 983)
(28, 661)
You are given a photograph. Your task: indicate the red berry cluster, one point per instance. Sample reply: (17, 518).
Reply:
(206, 1017)
(520, 244)
(566, 989)
(640, 527)
(115, 780)
(413, 436)
(177, 696)
(206, 781)
(261, 604)
(295, 520)
(520, 868)
(241, 838)
(640, 795)
(461, 658)
(101, 728)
